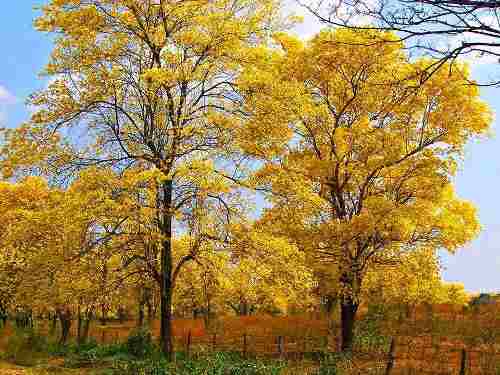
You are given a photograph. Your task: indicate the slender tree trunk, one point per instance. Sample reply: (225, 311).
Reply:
(140, 318)
(86, 325)
(208, 314)
(329, 304)
(79, 326)
(166, 272)
(53, 324)
(65, 319)
(149, 306)
(3, 315)
(348, 310)
(121, 314)
(103, 314)
(30, 319)
(243, 308)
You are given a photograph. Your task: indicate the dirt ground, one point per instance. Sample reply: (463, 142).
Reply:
(50, 368)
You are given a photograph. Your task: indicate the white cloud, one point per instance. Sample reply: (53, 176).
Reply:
(6, 97)
(310, 24)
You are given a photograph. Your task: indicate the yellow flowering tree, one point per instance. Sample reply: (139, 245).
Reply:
(145, 84)
(357, 155)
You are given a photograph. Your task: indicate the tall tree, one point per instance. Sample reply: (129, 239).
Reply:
(359, 158)
(142, 83)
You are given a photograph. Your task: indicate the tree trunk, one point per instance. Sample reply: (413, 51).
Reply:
(53, 324)
(348, 310)
(65, 319)
(86, 325)
(243, 308)
(30, 319)
(207, 318)
(121, 314)
(140, 318)
(149, 306)
(166, 273)
(79, 326)
(3, 315)
(330, 303)
(103, 314)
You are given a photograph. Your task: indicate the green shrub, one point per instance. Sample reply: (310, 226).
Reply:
(144, 367)
(139, 343)
(217, 364)
(229, 364)
(25, 347)
(368, 336)
(93, 354)
(331, 363)
(89, 344)
(55, 349)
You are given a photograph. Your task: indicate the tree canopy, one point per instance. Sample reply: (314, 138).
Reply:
(132, 186)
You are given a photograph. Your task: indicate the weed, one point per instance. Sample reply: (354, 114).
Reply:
(25, 347)
(139, 343)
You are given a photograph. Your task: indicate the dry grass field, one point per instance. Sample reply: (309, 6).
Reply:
(432, 340)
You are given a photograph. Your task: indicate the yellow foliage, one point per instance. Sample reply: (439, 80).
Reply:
(358, 154)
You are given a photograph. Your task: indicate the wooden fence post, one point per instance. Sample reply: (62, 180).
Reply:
(245, 345)
(280, 346)
(463, 361)
(390, 361)
(214, 341)
(304, 347)
(188, 343)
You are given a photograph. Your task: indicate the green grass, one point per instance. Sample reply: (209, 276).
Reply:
(137, 356)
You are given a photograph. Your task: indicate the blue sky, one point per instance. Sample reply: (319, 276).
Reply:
(477, 265)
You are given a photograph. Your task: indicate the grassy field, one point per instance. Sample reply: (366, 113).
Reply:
(302, 340)
(428, 342)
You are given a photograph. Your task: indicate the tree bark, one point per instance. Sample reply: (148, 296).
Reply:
(348, 310)
(3, 315)
(103, 314)
(79, 326)
(148, 297)
(65, 319)
(166, 272)
(207, 317)
(140, 318)
(86, 324)
(53, 325)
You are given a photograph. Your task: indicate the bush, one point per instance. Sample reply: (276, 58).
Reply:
(331, 363)
(139, 343)
(229, 364)
(217, 364)
(368, 336)
(149, 367)
(89, 344)
(25, 347)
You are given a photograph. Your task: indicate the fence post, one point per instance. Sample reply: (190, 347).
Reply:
(245, 345)
(390, 361)
(304, 347)
(188, 343)
(463, 361)
(280, 346)
(214, 341)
